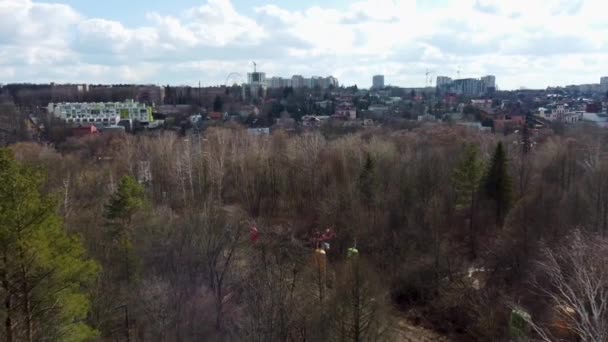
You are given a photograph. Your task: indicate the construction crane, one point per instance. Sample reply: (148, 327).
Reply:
(429, 78)
(254, 66)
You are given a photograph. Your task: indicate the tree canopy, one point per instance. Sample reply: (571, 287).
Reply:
(43, 270)
(498, 183)
(218, 104)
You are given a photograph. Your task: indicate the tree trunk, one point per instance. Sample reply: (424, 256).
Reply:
(27, 307)
(8, 306)
(472, 237)
(218, 308)
(357, 312)
(8, 321)
(525, 226)
(499, 220)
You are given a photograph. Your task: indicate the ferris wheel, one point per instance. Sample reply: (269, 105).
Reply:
(234, 78)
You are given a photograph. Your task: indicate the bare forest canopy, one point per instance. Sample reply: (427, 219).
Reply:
(222, 237)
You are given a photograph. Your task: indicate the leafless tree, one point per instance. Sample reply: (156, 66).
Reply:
(574, 278)
(358, 310)
(222, 231)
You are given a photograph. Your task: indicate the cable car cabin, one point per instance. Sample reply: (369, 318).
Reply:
(320, 260)
(352, 252)
(518, 324)
(561, 325)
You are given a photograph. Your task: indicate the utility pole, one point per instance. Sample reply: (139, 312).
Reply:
(526, 142)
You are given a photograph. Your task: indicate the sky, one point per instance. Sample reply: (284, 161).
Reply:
(525, 43)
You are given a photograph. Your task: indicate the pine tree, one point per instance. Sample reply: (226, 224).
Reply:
(43, 270)
(466, 178)
(121, 211)
(498, 183)
(128, 199)
(218, 104)
(367, 181)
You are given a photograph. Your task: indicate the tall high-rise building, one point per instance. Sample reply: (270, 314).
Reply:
(604, 83)
(256, 85)
(332, 82)
(297, 81)
(489, 82)
(443, 81)
(467, 86)
(378, 82)
(275, 82)
(256, 78)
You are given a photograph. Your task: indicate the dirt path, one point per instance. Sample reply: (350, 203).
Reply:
(407, 332)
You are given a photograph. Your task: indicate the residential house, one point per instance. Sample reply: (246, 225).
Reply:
(345, 110)
(560, 112)
(505, 122)
(216, 116)
(84, 131)
(314, 120)
(483, 105)
(259, 131)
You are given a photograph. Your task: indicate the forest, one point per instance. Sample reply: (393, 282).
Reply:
(227, 236)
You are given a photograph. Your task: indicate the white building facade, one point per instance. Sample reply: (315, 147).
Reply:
(489, 81)
(561, 113)
(443, 81)
(297, 81)
(102, 113)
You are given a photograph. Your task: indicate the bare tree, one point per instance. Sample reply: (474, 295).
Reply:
(277, 304)
(222, 233)
(574, 278)
(217, 158)
(358, 310)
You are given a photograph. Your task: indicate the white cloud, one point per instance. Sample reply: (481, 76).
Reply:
(171, 30)
(218, 23)
(523, 42)
(25, 21)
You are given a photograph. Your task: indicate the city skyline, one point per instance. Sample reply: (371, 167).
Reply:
(531, 44)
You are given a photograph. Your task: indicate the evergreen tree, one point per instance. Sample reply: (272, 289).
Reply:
(43, 270)
(367, 181)
(466, 178)
(124, 203)
(218, 104)
(120, 211)
(498, 183)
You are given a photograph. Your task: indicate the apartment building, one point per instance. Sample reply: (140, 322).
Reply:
(102, 113)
